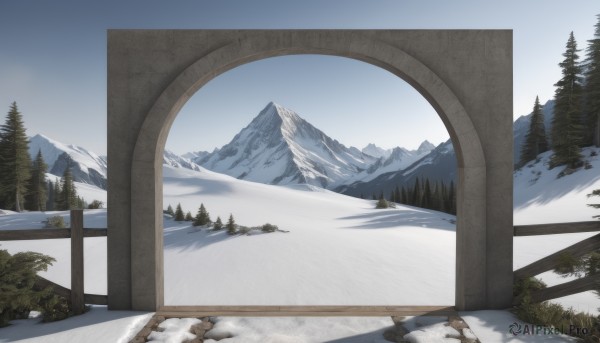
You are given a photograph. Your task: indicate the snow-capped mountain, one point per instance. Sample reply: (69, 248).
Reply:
(172, 159)
(398, 159)
(86, 166)
(375, 151)
(192, 155)
(437, 165)
(279, 147)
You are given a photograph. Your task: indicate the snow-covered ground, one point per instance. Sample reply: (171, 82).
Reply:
(339, 250)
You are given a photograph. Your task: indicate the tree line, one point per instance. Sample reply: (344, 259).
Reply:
(437, 196)
(202, 219)
(576, 117)
(23, 184)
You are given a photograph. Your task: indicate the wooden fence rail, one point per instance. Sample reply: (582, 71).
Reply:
(314, 310)
(552, 261)
(584, 284)
(556, 228)
(76, 233)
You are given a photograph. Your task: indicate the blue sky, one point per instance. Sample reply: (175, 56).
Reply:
(53, 63)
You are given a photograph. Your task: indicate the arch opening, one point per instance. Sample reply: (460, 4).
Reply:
(484, 231)
(279, 269)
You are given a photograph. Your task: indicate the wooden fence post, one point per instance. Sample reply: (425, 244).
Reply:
(77, 261)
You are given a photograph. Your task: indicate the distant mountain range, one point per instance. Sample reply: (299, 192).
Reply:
(86, 166)
(279, 147)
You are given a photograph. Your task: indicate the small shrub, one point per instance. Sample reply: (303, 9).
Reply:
(55, 222)
(243, 230)
(96, 204)
(593, 153)
(19, 294)
(269, 228)
(552, 315)
(382, 203)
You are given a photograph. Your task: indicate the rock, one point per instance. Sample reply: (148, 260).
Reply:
(217, 335)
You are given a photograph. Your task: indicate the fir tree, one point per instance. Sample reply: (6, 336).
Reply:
(404, 196)
(535, 140)
(231, 225)
(202, 217)
(426, 203)
(567, 130)
(451, 207)
(50, 199)
(592, 87)
(170, 210)
(218, 225)
(67, 196)
(179, 216)
(37, 196)
(188, 216)
(57, 195)
(16, 163)
(416, 194)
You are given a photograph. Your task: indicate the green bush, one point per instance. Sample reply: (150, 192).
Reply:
(269, 228)
(18, 294)
(382, 203)
(553, 315)
(55, 222)
(96, 204)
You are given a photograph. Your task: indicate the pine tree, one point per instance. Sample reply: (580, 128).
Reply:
(50, 199)
(426, 203)
(404, 196)
(567, 130)
(179, 216)
(231, 225)
(451, 208)
(591, 89)
(188, 216)
(416, 194)
(535, 140)
(15, 161)
(67, 196)
(37, 196)
(57, 195)
(202, 217)
(170, 210)
(218, 224)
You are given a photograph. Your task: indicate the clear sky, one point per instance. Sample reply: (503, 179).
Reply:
(53, 63)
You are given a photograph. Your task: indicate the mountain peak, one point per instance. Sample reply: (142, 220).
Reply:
(425, 147)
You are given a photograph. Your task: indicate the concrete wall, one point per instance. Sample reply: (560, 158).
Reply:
(466, 75)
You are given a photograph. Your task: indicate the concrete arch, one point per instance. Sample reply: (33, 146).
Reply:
(475, 285)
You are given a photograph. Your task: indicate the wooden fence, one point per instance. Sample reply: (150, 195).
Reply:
(76, 233)
(552, 261)
(78, 298)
